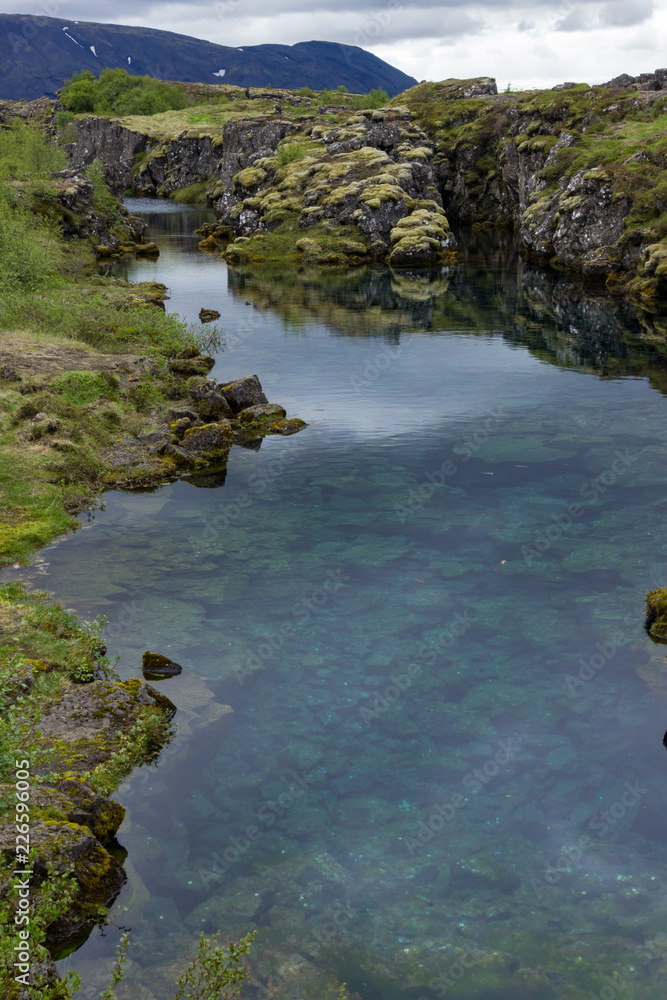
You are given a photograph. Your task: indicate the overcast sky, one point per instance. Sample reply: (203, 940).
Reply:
(522, 43)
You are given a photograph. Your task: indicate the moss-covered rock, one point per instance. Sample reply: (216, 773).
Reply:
(156, 667)
(261, 414)
(243, 392)
(656, 614)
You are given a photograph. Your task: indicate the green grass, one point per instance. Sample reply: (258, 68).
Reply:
(98, 314)
(31, 255)
(86, 387)
(289, 152)
(25, 149)
(196, 194)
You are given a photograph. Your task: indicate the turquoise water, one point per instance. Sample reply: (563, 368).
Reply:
(444, 772)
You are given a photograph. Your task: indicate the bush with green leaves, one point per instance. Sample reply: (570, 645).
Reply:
(26, 149)
(31, 253)
(376, 98)
(117, 92)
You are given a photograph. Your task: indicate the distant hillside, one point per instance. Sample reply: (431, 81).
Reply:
(37, 54)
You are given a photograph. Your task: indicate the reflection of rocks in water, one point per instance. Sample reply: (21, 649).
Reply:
(213, 477)
(561, 321)
(357, 303)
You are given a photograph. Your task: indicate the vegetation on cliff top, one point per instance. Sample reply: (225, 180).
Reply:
(620, 133)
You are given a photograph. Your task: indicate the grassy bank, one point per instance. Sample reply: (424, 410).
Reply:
(83, 365)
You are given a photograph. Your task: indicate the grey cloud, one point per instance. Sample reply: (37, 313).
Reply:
(373, 22)
(611, 14)
(621, 14)
(576, 20)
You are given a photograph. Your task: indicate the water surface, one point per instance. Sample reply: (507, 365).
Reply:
(444, 772)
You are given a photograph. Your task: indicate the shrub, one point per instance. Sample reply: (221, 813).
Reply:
(30, 253)
(25, 149)
(116, 92)
(376, 98)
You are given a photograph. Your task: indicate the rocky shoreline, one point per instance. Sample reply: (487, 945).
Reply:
(576, 171)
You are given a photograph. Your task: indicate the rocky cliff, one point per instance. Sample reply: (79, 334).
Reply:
(578, 171)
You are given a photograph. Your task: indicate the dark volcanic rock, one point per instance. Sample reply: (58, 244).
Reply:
(156, 667)
(262, 413)
(243, 392)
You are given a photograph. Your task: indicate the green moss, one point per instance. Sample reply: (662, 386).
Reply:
(196, 194)
(286, 242)
(656, 614)
(250, 177)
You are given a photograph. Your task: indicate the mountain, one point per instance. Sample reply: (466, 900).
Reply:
(37, 54)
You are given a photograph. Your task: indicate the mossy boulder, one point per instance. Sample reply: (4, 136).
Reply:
(251, 177)
(656, 614)
(63, 847)
(243, 392)
(187, 367)
(212, 405)
(209, 315)
(85, 723)
(156, 667)
(209, 441)
(261, 415)
(147, 250)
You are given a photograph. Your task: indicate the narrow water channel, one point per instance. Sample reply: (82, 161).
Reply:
(444, 772)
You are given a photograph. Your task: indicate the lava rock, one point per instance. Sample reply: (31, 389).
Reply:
(209, 315)
(156, 667)
(243, 392)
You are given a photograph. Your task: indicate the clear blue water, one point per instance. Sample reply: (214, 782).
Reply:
(444, 772)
